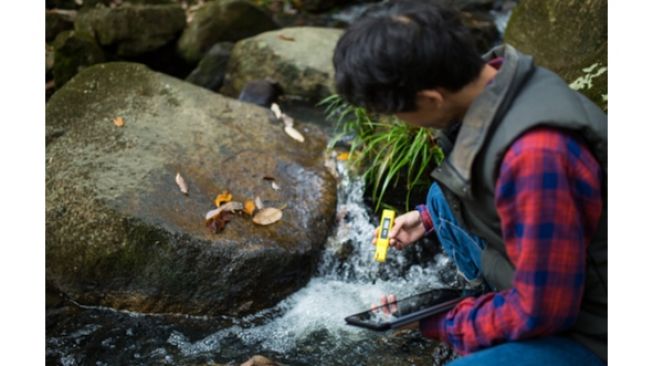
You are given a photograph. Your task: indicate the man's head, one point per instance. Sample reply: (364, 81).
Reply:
(406, 58)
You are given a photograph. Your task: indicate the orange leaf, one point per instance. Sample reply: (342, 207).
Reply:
(343, 156)
(222, 197)
(118, 121)
(249, 208)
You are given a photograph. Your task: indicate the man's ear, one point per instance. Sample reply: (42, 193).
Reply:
(430, 98)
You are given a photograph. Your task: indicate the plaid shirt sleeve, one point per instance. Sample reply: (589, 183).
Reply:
(548, 196)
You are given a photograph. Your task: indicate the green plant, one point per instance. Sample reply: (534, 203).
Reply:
(386, 150)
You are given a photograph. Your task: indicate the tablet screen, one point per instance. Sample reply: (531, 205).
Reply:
(408, 309)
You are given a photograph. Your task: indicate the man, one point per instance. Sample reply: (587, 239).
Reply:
(519, 202)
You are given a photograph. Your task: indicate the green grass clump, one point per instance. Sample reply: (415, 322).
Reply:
(387, 151)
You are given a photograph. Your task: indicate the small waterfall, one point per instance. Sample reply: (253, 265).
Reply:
(348, 280)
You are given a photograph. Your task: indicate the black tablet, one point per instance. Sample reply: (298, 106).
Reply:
(408, 310)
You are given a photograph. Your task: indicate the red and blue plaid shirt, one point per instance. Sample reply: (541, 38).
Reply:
(548, 197)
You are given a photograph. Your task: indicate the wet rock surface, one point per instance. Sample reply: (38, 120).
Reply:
(121, 234)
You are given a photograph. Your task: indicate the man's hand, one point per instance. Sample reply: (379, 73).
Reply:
(389, 306)
(407, 229)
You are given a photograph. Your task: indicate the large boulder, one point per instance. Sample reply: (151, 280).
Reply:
(298, 59)
(568, 37)
(222, 21)
(73, 51)
(120, 233)
(133, 29)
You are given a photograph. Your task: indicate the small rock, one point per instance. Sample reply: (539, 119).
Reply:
(133, 29)
(211, 69)
(73, 51)
(216, 21)
(260, 92)
(57, 21)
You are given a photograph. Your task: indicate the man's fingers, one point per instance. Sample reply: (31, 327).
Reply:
(397, 226)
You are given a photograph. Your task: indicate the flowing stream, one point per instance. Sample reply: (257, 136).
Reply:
(307, 328)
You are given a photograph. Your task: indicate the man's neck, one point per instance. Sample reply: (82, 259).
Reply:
(466, 96)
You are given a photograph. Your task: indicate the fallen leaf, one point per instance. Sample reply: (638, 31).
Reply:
(343, 156)
(183, 187)
(119, 121)
(276, 110)
(268, 177)
(286, 38)
(267, 216)
(249, 207)
(287, 120)
(229, 206)
(275, 186)
(290, 131)
(259, 203)
(217, 223)
(222, 197)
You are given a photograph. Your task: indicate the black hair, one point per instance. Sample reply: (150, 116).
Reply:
(398, 48)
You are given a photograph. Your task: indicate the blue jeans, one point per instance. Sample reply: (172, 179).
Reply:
(554, 350)
(463, 247)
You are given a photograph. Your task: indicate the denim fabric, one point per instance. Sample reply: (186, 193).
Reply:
(463, 247)
(558, 351)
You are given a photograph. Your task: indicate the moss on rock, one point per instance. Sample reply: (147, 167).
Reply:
(73, 51)
(568, 37)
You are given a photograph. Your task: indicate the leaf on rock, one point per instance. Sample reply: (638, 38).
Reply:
(286, 38)
(249, 207)
(222, 197)
(268, 177)
(119, 121)
(275, 186)
(276, 110)
(343, 156)
(287, 120)
(292, 132)
(229, 206)
(183, 187)
(267, 216)
(259, 203)
(217, 223)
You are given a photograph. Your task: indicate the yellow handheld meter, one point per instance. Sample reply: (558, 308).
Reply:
(383, 239)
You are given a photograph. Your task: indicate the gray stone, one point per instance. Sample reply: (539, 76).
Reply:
(120, 233)
(57, 21)
(133, 29)
(73, 51)
(299, 59)
(220, 21)
(568, 37)
(209, 73)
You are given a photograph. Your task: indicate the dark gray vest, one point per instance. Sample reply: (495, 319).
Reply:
(523, 96)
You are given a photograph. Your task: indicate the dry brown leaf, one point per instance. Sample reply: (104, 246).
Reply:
(119, 121)
(292, 132)
(258, 202)
(229, 206)
(267, 216)
(268, 177)
(217, 223)
(222, 197)
(249, 207)
(286, 38)
(343, 156)
(183, 187)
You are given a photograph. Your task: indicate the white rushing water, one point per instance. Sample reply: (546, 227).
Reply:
(340, 288)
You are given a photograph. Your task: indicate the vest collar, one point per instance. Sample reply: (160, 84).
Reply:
(455, 171)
